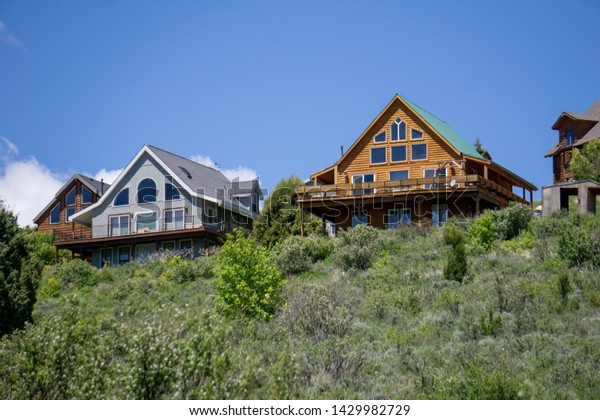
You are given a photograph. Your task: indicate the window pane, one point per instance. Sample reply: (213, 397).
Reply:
(378, 155)
(122, 199)
(187, 244)
(171, 192)
(86, 195)
(380, 138)
(146, 222)
(398, 153)
(416, 134)
(369, 178)
(70, 212)
(570, 134)
(398, 130)
(419, 152)
(55, 214)
(147, 191)
(398, 175)
(123, 255)
(71, 197)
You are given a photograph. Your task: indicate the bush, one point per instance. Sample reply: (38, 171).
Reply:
(456, 265)
(319, 247)
(51, 288)
(580, 247)
(357, 248)
(294, 256)
(205, 267)
(248, 283)
(511, 221)
(179, 270)
(482, 233)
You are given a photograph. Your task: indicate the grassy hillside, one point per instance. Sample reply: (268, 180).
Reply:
(524, 323)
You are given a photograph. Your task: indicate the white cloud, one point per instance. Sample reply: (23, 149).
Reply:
(26, 187)
(8, 150)
(7, 38)
(108, 175)
(241, 172)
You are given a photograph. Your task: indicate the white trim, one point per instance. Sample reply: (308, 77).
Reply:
(182, 209)
(411, 134)
(405, 129)
(116, 196)
(426, 152)
(378, 134)
(371, 155)
(118, 216)
(69, 192)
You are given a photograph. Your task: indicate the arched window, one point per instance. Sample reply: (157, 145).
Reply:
(146, 191)
(398, 130)
(171, 192)
(122, 199)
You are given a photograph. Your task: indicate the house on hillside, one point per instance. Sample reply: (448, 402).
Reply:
(160, 201)
(76, 194)
(575, 129)
(409, 167)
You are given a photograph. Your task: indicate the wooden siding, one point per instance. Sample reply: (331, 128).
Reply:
(358, 160)
(64, 228)
(560, 161)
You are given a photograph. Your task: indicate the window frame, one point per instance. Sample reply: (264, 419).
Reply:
(128, 254)
(118, 195)
(446, 214)
(174, 248)
(74, 191)
(105, 257)
(384, 148)
(84, 188)
(384, 133)
(412, 147)
(567, 132)
(365, 191)
(172, 185)
(148, 224)
(436, 173)
(173, 211)
(181, 241)
(396, 124)
(67, 210)
(120, 227)
(59, 214)
(416, 138)
(140, 189)
(405, 153)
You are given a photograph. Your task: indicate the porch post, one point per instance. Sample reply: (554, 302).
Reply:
(301, 218)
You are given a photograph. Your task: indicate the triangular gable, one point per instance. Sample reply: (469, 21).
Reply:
(438, 126)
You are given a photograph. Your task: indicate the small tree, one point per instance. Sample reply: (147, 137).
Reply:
(456, 265)
(248, 283)
(280, 216)
(585, 163)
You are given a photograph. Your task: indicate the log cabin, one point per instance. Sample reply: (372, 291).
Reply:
(409, 167)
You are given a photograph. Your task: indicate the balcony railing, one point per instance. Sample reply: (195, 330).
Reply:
(404, 186)
(131, 227)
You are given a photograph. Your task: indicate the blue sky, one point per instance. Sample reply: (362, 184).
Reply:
(275, 87)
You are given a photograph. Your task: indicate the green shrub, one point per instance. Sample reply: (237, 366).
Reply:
(51, 288)
(294, 256)
(511, 221)
(205, 267)
(319, 247)
(482, 232)
(456, 265)
(179, 270)
(78, 273)
(357, 248)
(580, 247)
(248, 283)
(490, 324)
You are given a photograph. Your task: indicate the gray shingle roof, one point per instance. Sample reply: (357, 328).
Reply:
(592, 114)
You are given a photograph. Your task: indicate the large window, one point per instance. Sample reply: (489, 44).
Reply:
(398, 217)
(70, 211)
(433, 173)
(55, 214)
(122, 199)
(174, 219)
(380, 138)
(359, 179)
(397, 176)
(106, 257)
(398, 130)
(124, 255)
(171, 192)
(71, 197)
(378, 155)
(146, 191)
(119, 225)
(86, 195)
(146, 222)
(570, 135)
(419, 152)
(398, 153)
(439, 214)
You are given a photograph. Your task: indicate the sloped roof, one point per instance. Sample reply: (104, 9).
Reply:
(445, 130)
(592, 115)
(94, 185)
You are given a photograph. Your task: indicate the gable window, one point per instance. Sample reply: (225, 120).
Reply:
(174, 219)
(146, 191)
(171, 192)
(119, 225)
(416, 134)
(122, 199)
(359, 179)
(146, 222)
(419, 152)
(570, 136)
(378, 155)
(71, 197)
(398, 153)
(398, 130)
(86, 195)
(55, 214)
(70, 211)
(380, 138)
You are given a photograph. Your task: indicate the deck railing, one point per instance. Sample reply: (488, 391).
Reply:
(144, 228)
(404, 186)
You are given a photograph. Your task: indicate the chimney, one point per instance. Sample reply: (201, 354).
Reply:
(102, 186)
(342, 149)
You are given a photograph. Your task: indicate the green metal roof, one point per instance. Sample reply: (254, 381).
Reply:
(444, 129)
